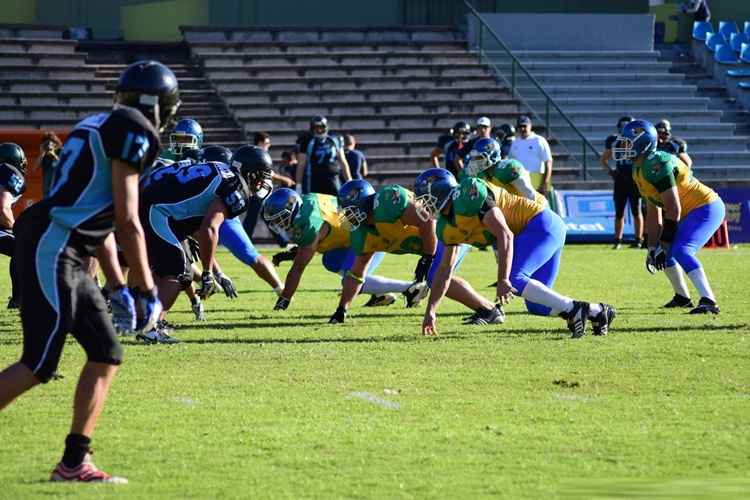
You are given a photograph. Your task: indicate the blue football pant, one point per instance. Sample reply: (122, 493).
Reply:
(233, 236)
(693, 232)
(462, 251)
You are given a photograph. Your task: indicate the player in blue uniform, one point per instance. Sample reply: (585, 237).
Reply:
(95, 192)
(197, 199)
(12, 186)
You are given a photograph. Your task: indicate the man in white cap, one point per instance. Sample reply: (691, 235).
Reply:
(482, 130)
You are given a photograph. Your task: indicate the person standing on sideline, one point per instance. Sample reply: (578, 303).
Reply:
(96, 194)
(625, 190)
(355, 158)
(321, 160)
(48, 156)
(672, 144)
(452, 148)
(288, 164)
(505, 134)
(534, 153)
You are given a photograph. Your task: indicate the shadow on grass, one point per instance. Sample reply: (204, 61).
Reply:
(324, 340)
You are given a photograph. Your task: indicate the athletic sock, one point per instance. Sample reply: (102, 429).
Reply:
(378, 285)
(677, 278)
(700, 282)
(539, 293)
(76, 447)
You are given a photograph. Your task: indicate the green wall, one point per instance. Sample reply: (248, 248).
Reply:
(160, 20)
(19, 11)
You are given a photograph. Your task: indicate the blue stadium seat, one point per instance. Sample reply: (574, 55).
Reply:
(744, 85)
(739, 73)
(725, 55)
(737, 40)
(701, 29)
(745, 53)
(747, 28)
(726, 28)
(714, 39)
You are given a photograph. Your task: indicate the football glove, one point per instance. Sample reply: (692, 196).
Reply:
(338, 317)
(197, 306)
(208, 285)
(148, 309)
(123, 309)
(280, 257)
(656, 260)
(423, 267)
(226, 284)
(281, 304)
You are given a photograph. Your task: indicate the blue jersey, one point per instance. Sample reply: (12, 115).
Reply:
(80, 200)
(12, 181)
(183, 194)
(455, 151)
(356, 160)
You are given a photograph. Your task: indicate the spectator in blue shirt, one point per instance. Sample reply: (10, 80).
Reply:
(355, 158)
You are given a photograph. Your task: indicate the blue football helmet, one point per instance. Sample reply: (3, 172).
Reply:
(433, 189)
(215, 152)
(356, 199)
(485, 154)
(187, 134)
(280, 209)
(637, 138)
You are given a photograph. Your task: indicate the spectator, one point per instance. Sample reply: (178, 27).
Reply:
(453, 149)
(505, 134)
(288, 164)
(625, 190)
(355, 158)
(698, 8)
(440, 148)
(482, 130)
(48, 156)
(534, 154)
(321, 160)
(671, 144)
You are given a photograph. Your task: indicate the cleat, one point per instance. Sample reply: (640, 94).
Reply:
(87, 472)
(600, 324)
(385, 299)
(198, 311)
(678, 301)
(158, 335)
(617, 245)
(493, 316)
(415, 293)
(577, 319)
(637, 244)
(705, 306)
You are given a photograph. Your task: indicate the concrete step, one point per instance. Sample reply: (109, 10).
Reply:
(349, 71)
(200, 48)
(211, 60)
(239, 98)
(37, 45)
(695, 143)
(37, 59)
(52, 85)
(70, 119)
(355, 34)
(586, 55)
(609, 78)
(593, 67)
(561, 91)
(383, 163)
(92, 99)
(625, 102)
(682, 129)
(46, 72)
(706, 160)
(610, 117)
(239, 84)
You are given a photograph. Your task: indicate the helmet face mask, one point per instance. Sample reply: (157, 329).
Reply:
(280, 209)
(319, 126)
(352, 217)
(638, 138)
(255, 167)
(186, 135)
(260, 183)
(433, 189)
(356, 200)
(486, 154)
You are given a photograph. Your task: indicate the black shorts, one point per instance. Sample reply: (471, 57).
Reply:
(166, 251)
(325, 184)
(58, 297)
(7, 242)
(626, 191)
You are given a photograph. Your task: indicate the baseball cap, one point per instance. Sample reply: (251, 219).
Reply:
(484, 122)
(523, 120)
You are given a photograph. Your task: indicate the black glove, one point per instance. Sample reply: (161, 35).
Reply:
(423, 267)
(656, 260)
(339, 316)
(280, 257)
(208, 285)
(281, 304)
(226, 284)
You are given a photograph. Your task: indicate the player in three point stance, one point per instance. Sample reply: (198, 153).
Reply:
(390, 222)
(12, 186)
(529, 237)
(691, 213)
(187, 199)
(95, 192)
(313, 222)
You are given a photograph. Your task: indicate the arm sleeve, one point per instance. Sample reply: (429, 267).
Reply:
(12, 181)
(230, 192)
(128, 137)
(524, 187)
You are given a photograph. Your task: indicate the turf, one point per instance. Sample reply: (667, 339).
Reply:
(263, 404)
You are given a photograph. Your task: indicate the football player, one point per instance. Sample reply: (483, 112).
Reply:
(453, 149)
(187, 135)
(198, 198)
(95, 192)
(529, 239)
(313, 223)
(321, 160)
(682, 214)
(672, 144)
(12, 186)
(390, 222)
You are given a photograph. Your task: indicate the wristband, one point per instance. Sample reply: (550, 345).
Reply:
(358, 279)
(668, 231)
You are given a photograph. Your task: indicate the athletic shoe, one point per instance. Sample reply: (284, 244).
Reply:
(600, 324)
(384, 299)
(493, 316)
(87, 472)
(637, 244)
(678, 301)
(617, 245)
(198, 311)
(12, 303)
(705, 306)
(158, 335)
(415, 293)
(576, 318)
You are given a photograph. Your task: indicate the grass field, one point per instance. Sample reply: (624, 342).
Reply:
(260, 404)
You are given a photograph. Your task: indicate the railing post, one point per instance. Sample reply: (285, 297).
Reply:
(513, 78)
(585, 167)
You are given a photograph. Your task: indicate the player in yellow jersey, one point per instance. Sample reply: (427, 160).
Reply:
(529, 237)
(389, 221)
(312, 221)
(691, 213)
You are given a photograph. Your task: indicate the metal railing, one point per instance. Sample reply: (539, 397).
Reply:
(493, 51)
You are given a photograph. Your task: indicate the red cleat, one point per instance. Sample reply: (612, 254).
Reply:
(87, 472)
